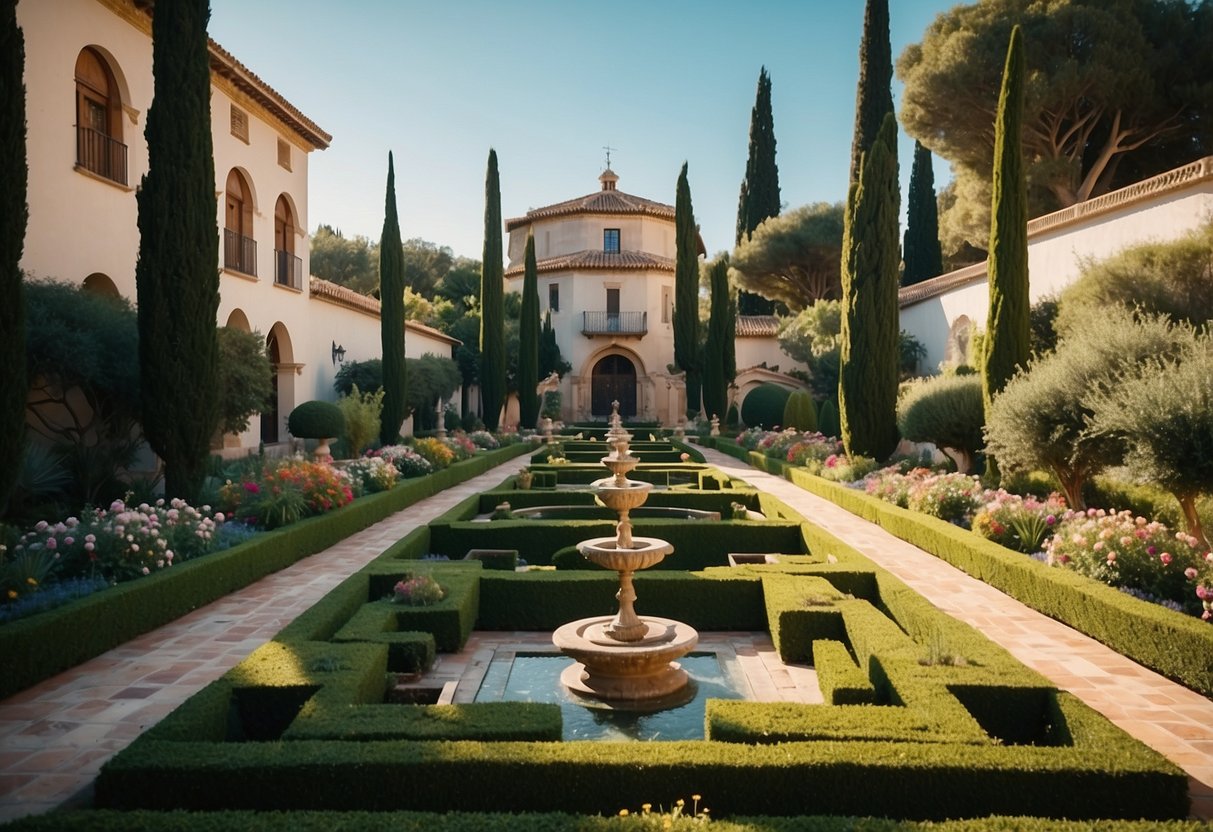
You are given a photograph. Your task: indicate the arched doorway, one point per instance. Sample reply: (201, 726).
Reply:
(269, 417)
(613, 379)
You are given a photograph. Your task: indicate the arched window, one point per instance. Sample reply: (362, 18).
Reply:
(288, 269)
(99, 147)
(239, 247)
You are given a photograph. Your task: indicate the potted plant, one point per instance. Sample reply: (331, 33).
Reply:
(317, 420)
(524, 478)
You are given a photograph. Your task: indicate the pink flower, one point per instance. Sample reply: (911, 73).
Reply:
(1165, 557)
(1203, 592)
(146, 571)
(1190, 573)
(1050, 520)
(1111, 558)
(51, 543)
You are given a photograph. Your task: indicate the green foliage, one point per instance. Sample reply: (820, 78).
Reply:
(353, 263)
(731, 419)
(14, 214)
(874, 97)
(759, 198)
(316, 420)
(360, 412)
(764, 405)
(245, 378)
(1042, 321)
(365, 375)
(1007, 342)
(550, 360)
(944, 410)
(391, 317)
(869, 359)
(551, 405)
(800, 412)
(492, 321)
(921, 249)
(177, 273)
(528, 339)
(715, 383)
(687, 356)
(827, 419)
(431, 378)
(794, 257)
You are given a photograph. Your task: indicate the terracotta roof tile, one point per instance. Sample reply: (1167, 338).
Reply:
(599, 202)
(339, 295)
(757, 326)
(598, 259)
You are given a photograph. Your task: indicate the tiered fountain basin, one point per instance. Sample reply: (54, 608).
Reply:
(600, 513)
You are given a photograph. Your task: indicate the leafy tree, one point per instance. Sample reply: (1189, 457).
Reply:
(1042, 319)
(947, 411)
(1119, 91)
(528, 339)
(868, 361)
(873, 97)
(365, 375)
(1041, 419)
(1174, 278)
(492, 324)
(1007, 344)
(353, 263)
(177, 273)
(391, 316)
(461, 285)
(794, 257)
(759, 199)
(686, 294)
(246, 378)
(14, 214)
(425, 264)
(715, 384)
(431, 378)
(921, 250)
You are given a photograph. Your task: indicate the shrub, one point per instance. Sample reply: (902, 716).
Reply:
(551, 405)
(407, 461)
(434, 451)
(951, 497)
(731, 418)
(763, 406)
(360, 412)
(944, 410)
(827, 418)
(450, 418)
(285, 491)
(800, 412)
(372, 474)
(484, 439)
(418, 591)
(316, 420)
(812, 450)
(841, 468)
(1019, 523)
(460, 446)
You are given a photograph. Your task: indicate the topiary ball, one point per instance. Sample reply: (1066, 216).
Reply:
(316, 420)
(763, 406)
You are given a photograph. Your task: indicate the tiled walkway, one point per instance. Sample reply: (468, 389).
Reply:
(1168, 717)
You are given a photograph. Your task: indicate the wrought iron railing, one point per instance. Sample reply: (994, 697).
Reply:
(239, 253)
(100, 154)
(614, 323)
(288, 269)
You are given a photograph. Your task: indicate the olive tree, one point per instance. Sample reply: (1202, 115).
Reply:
(946, 411)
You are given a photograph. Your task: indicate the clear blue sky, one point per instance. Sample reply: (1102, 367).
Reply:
(548, 83)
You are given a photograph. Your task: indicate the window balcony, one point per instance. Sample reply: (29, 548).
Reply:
(98, 153)
(288, 269)
(614, 323)
(239, 253)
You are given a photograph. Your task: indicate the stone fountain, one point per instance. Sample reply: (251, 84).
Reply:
(625, 660)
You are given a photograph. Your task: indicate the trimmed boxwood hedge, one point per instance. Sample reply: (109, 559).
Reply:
(38, 647)
(1178, 646)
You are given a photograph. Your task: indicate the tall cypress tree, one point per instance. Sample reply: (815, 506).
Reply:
(492, 312)
(686, 293)
(921, 251)
(760, 189)
(391, 316)
(1007, 343)
(528, 341)
(868, 363)
(715, 384)
(14, 213)
(874, 97)
(177, 274)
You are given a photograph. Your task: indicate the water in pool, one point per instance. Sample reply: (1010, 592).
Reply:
(531, 677)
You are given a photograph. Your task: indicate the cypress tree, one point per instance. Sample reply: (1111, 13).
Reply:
(921, 250)
(1007, 343)
(686, 293)
(391, 316)
(873, 98)
(549, 350)
(14, 173)
(528, 341)
(868, 363)
(177, 274)
(492, 312)
(760, 189)
(715, 383)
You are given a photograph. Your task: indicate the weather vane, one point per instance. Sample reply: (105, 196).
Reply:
(608, 150)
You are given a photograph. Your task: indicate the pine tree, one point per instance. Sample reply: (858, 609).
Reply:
(686, 293)
(528, 341)
(492, 311)
(760, 189)
(391, 316)
(177, 274)
(1007, 343)
(14, 173)
(873, 98)
(715, 383)
(869, 359)
(921, 251)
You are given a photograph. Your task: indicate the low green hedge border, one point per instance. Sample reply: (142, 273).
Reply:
(38, 647)
(1179, 647)
(140, 821)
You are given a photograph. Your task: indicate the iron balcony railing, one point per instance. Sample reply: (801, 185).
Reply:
(100, 154)
(614, 323)
(288, 269)
(239, 253)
